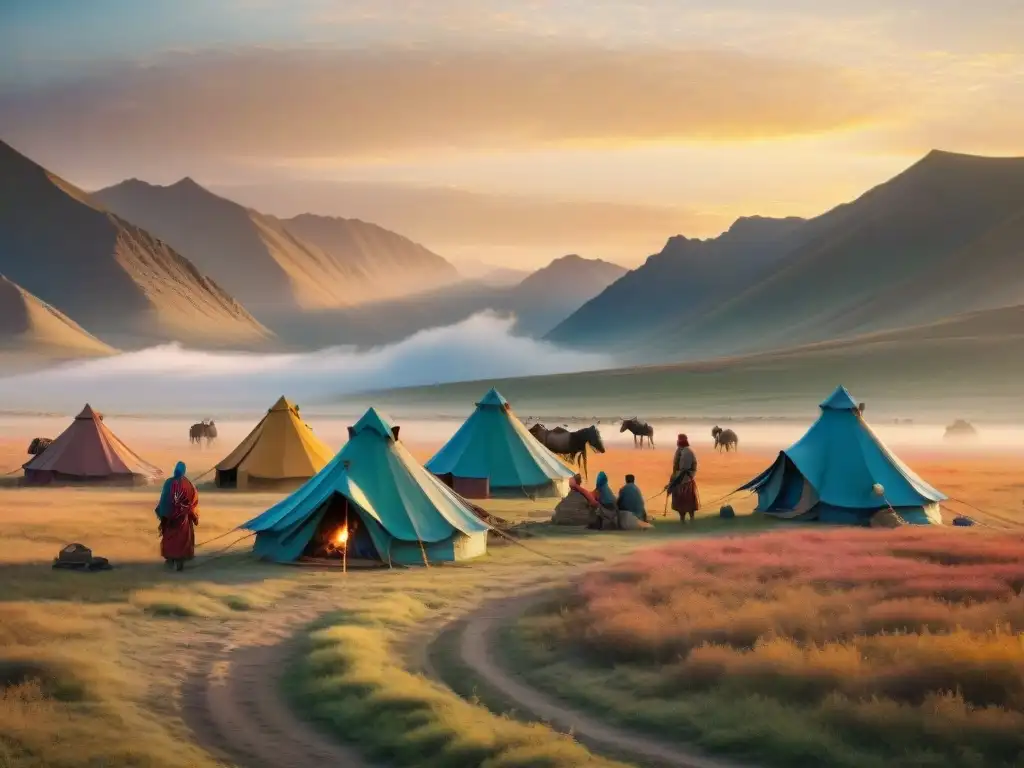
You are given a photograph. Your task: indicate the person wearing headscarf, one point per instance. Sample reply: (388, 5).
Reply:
(606, 514)
(683, 484)
(178, 513)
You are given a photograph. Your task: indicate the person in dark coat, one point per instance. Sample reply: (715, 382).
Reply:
(632, 500)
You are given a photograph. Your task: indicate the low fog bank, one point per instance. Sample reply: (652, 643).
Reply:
(172, 379)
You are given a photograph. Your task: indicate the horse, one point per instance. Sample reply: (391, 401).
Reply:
(639, 429)
(725, 438)
(204, 429)
(38, 445)
(572, 446)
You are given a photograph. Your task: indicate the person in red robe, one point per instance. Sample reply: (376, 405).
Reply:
(178, 512)
(683, 484)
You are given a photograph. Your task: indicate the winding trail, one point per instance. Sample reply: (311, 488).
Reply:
(475, 636)
(232, 700)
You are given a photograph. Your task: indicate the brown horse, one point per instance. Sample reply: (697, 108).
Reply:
(572, 446)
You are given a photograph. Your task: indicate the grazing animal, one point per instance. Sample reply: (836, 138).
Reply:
(725, 438)
(38, 445)
(572, 446)
(640, 429)
(204, 430)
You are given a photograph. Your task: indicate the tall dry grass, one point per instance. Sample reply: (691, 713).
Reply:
(891, 645)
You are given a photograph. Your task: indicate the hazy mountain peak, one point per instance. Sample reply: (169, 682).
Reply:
(110, 275)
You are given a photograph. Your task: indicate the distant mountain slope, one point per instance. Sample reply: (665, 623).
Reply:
(687, 278)
(392, 265)
(539, 303)
(551, 294)
(119, 281)
(30, 326)
(964, 366)
(278, 266)
(942, 238)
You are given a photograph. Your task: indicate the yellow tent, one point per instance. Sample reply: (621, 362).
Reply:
(281, 450)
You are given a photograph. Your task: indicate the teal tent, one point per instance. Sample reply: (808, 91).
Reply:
(389, 506)
(493, 454)
(840, 472)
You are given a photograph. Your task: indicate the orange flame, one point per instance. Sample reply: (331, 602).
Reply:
(341, 537)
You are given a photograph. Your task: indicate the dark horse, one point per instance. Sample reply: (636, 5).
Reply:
(38, 445)
(640, 429)
(571, 446)
(204, 429)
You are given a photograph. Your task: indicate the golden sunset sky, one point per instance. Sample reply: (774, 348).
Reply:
(507, 131)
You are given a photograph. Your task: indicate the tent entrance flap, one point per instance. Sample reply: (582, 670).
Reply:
(342, 526)
(227, 478)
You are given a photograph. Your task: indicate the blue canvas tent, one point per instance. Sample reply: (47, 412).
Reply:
(375, 489)
(840, 472)
(493, 454)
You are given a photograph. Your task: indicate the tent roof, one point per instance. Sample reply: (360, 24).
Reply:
(280, 447)
(493, 443)
(283, 404)
(840, 400)
(383, 479)
(842, 459)
(87, 448)
(376, 422)
(89, 413)
(493, 398)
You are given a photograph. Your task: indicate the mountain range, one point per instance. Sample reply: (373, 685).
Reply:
(115, 279)
(943, 238)
(137, 264)
(539, 303)
(275, 266)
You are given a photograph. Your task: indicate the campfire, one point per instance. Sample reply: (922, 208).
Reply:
(338, 542)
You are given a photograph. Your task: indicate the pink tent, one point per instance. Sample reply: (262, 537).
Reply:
(88, 452)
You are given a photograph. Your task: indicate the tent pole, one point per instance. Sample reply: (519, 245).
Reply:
(344, 552)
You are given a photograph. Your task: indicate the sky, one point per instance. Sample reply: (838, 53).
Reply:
(513, 132)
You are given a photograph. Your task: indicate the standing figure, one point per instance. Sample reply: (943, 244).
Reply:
(683, 484)
(178, 512)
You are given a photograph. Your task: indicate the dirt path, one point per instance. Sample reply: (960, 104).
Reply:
(233, 703)
(476, 636)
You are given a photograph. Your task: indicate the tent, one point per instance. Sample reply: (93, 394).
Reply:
(281, 451)
(840, 472)
(396, 510)
(493, 454)
(88, 452)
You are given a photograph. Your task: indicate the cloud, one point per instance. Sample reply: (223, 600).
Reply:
(389, 102)
(172, 378)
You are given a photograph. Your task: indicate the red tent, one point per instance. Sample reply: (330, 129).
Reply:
(88, 452)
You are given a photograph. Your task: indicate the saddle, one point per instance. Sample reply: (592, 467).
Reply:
(78, 557)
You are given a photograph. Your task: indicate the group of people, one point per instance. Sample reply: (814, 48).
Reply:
(627, 510)
(178, 508)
